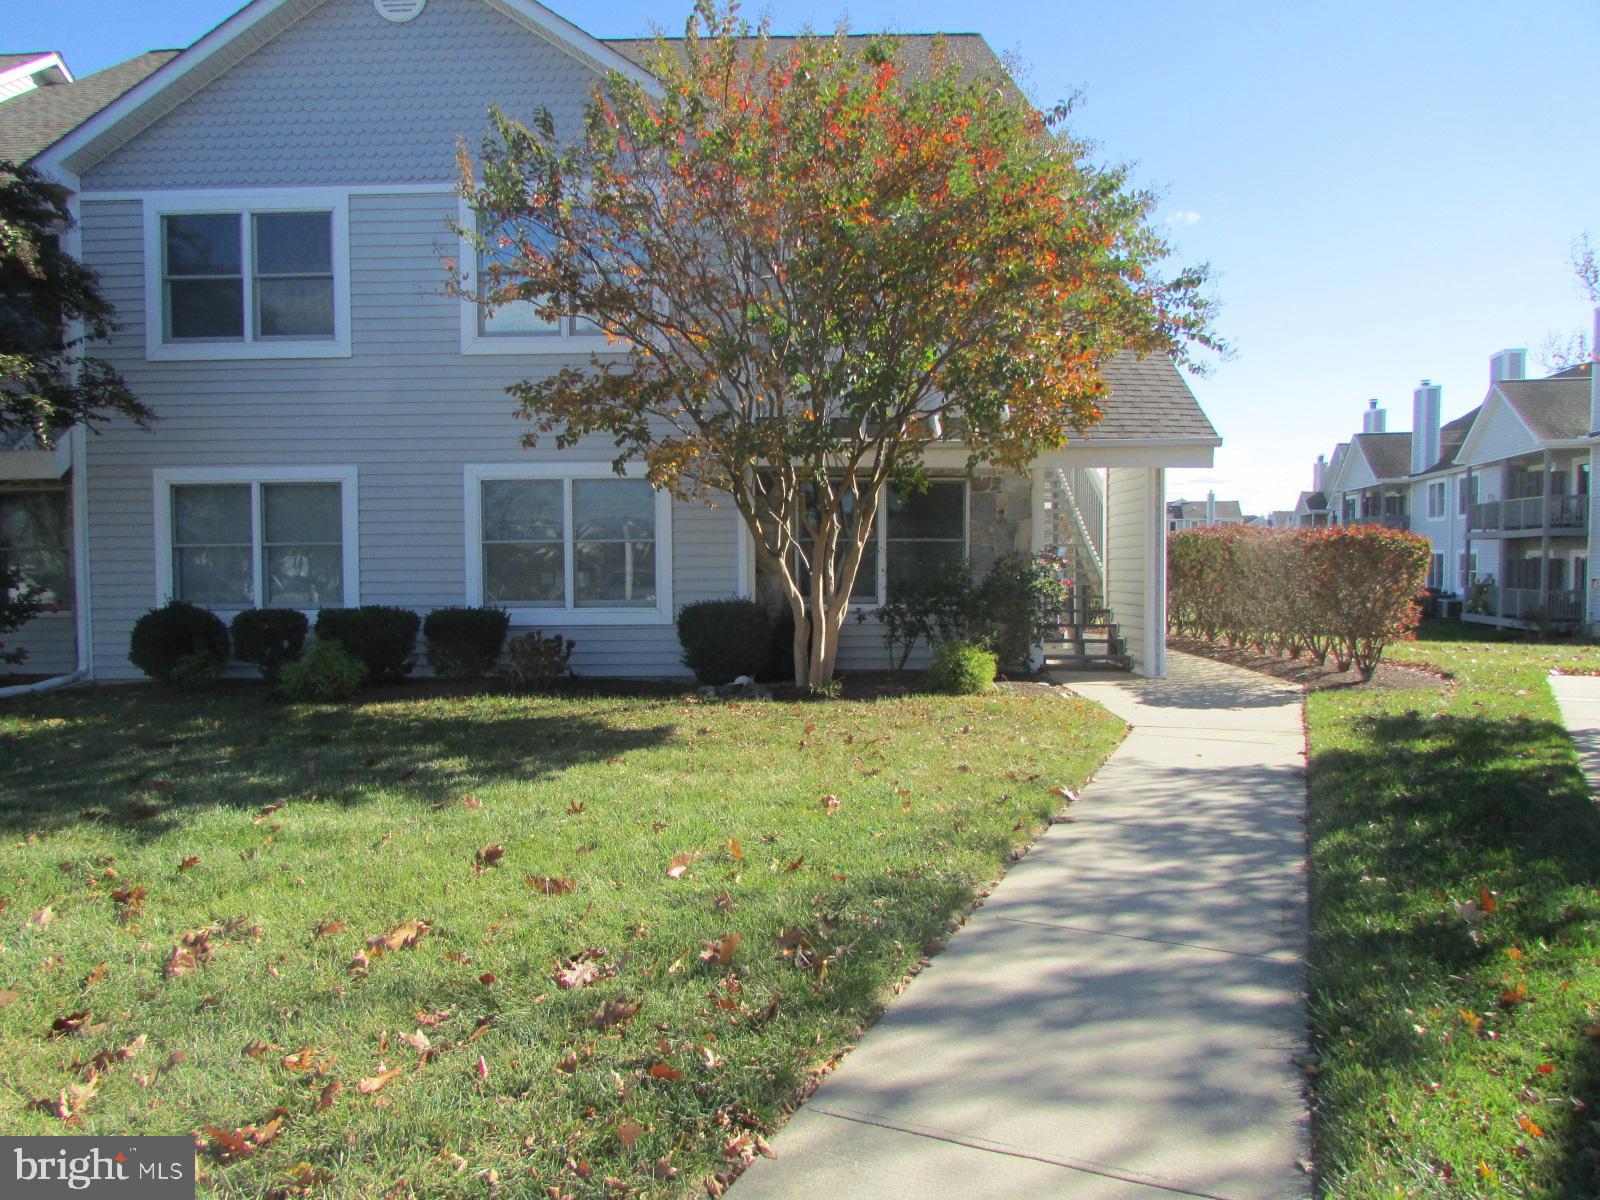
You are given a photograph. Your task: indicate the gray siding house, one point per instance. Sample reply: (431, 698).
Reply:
(268, 212)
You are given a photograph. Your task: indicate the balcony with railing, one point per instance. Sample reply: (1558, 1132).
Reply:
(1530, 516)
(1526, 605)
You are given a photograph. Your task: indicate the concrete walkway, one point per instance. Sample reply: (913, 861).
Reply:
(1578, 698)
(1119, 1020)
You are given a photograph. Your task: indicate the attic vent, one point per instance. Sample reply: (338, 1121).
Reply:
(398, 11)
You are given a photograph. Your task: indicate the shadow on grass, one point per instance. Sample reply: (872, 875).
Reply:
(1425, 813)
(139, 756)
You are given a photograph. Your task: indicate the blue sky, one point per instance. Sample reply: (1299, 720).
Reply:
(1386, 191)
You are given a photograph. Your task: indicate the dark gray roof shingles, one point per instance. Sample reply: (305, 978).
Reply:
(1554, 409)
(1147, 399)
(913, 52)
(32, 122)
(1388, 454)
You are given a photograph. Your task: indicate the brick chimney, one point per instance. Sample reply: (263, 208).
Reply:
(1375, 419)
(1508, 364)
(1424, 426)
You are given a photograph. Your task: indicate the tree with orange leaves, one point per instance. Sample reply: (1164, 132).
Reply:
(812, 266)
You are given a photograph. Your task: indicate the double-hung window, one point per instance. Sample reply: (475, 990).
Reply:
(36, 545)
(1436, 500)
(568, 544)
(231, 540)
(262, 276)
(515, 327)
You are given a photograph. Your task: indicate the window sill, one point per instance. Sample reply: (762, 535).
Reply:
(541, 346)
(244, 351)
(557, 617)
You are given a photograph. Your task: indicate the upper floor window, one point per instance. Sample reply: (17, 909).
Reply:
(1436, 500)
(248, 277)
(516, 327)
(36, 544)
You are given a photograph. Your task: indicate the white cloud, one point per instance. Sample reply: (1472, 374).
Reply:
(1184, 216)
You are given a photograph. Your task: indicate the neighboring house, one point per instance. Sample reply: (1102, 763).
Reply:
(1368, 482)
(1502, 493)
(268, 212)
(1195, 514)
(1527, 462)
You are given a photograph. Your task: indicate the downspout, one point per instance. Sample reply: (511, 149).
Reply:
(78, 439)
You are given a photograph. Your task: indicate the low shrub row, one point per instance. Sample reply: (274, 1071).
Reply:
(1009, 610)
(1348, 590)
(185, 645)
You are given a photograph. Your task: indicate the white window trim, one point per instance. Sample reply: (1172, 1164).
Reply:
(474, 342)
(1438, 488)
(473, 477)
(165, 478)
(177, 203)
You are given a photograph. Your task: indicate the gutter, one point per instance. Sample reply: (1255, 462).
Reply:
(43, 685)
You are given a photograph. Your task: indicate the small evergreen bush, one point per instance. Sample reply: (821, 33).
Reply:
(325, 672)
(961, 668)
(465, 643)
(538, 661)
(724, 639)
(179, 643)
(269, 637)
(382, 638)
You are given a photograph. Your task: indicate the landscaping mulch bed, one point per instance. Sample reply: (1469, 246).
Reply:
(1308, 674)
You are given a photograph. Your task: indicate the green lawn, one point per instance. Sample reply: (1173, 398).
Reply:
(186, 885)
(1455, 933)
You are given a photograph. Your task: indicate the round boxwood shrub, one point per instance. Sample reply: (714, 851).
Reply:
(269, 637)
(723, 639)
(382, 638)
(179, 643)
(325, 672)
(962, 668)
(464, 643)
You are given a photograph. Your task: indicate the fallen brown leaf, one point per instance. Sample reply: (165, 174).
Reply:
(614, 1012)
(549, 885)
(679, 864)
(722, 950)
(324, 929)
(376, 1083)
(489, 856)
(661, 1070)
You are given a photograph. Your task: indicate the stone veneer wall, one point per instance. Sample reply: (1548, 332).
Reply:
(1000, 519)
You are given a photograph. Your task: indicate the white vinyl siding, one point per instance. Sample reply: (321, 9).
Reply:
(1135, 563)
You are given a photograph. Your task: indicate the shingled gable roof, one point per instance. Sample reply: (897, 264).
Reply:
(35, 120)
(1195, 510)
(1387, 454)
(1147, 399)
(1554, 410)
(914, 53)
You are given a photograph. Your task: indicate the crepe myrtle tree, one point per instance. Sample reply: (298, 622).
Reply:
(814, 261)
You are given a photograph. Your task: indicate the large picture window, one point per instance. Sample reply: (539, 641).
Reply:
(36, 544)
(583, 543)
(267, 542)
(236, 278)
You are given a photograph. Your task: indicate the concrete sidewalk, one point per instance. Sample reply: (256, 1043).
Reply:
(1578, 698)
(1119, 1020)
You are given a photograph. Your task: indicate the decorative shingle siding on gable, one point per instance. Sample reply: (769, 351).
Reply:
(344, 96)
